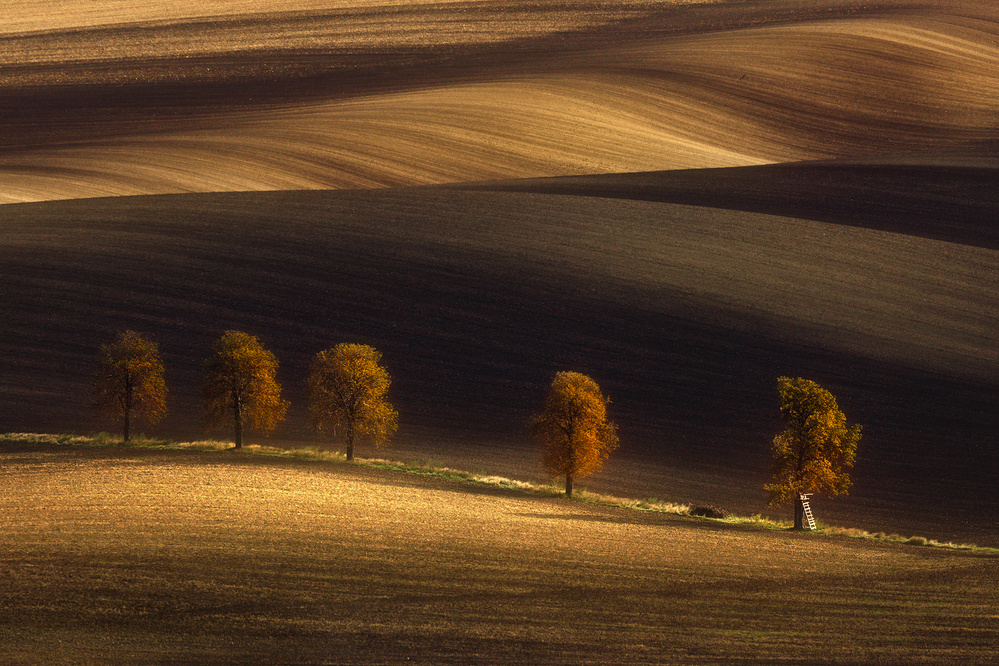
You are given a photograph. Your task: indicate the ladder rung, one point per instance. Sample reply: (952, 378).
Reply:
(808, 514)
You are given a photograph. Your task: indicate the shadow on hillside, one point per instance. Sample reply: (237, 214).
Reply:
(952, 203)
(476, 315)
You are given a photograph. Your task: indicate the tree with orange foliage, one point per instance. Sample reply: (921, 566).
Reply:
(815, 449)
(240, 386)
(573, 428)
(347, 388)
(129, 381)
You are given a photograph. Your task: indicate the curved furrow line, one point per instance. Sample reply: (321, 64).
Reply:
(597, 93)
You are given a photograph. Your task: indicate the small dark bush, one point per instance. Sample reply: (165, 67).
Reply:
(709, 512)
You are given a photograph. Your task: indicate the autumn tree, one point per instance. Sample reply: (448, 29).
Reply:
(347, 388)
(240, 386)
(129, 383)
(573, 428)
(814, 450)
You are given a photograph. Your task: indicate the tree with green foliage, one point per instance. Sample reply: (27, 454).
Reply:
(347, 389)
(240, 386)
(129, 383)
(573, 428)
(814, 450)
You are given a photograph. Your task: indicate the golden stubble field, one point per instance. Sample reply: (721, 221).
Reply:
(132, 556)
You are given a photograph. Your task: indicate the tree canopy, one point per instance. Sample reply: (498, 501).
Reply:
(815, 449)
(240, 386)
(129, 383)
(347, 395)
(573, 428)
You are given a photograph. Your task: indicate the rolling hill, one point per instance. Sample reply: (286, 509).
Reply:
(161, 98)
(686, 315)
(684, 199)
(138, 555)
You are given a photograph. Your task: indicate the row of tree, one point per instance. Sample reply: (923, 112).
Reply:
(348, 388)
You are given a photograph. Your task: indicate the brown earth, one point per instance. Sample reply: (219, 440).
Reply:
(276, 95)
(685, 315)
(871, 268)
(131, 556)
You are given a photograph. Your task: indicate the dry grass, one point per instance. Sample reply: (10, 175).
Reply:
(145, 555)
(437, 471)
(895, 538)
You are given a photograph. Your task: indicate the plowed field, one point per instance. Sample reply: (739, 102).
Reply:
(132, 557)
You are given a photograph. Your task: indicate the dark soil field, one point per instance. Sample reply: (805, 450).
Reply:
(131, 556)
(685, 315)
(681, 199)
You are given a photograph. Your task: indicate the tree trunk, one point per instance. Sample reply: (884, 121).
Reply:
(238, 418)
(350, 441)
(127, 427)
(129, 391)
(799, 513)
(568, 485)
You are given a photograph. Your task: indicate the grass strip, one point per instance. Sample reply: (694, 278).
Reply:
(429, 469)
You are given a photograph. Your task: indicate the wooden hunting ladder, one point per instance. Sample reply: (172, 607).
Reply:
(809, 520)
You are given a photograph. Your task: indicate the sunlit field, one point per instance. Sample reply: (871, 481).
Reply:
(682, 199)
(130, 555)
(153, 97)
